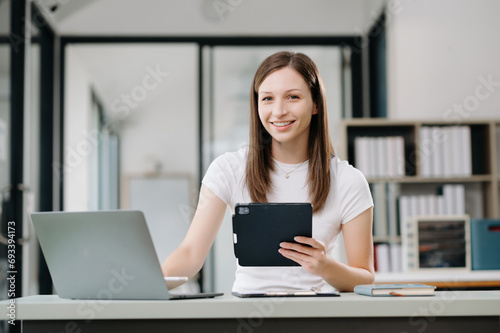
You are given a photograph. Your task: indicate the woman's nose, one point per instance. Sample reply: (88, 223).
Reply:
(279, 109)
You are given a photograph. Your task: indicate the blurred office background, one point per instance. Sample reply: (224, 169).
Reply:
(112, 104)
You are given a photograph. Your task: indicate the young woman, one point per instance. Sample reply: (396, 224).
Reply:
(290, 158)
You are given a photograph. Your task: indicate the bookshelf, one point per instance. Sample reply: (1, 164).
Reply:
(438, 157)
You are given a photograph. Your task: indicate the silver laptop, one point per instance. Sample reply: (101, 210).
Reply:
(102, 255)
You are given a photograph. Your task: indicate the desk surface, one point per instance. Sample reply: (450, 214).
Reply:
(446, 303)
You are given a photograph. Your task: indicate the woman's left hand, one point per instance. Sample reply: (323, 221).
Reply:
(312, 258)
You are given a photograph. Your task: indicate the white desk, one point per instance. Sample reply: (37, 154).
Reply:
(449, 311)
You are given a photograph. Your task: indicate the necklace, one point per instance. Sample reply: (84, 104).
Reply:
(287, 174)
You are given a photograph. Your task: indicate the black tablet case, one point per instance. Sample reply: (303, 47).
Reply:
(260, 230)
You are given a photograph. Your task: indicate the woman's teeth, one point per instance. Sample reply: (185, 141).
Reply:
(281, 124)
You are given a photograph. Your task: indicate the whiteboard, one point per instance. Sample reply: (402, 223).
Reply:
(167, 206)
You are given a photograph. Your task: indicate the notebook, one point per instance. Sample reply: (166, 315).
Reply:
(102, 255)
(402, 289)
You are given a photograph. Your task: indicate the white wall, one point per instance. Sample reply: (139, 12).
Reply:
(437, 53)
(77, 144)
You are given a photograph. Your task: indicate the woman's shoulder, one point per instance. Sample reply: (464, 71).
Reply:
(237, 156)
(235, 160)
(342, 170)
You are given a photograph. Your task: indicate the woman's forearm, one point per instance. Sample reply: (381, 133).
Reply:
(181, 262)
(344, 278)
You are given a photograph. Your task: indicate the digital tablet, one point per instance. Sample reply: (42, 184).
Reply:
(259, 228)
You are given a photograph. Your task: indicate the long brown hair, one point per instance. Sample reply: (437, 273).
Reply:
(320, 150)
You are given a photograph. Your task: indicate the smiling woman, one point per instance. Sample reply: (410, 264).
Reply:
(227, 124)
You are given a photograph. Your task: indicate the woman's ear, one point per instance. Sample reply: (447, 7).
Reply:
(315, 109)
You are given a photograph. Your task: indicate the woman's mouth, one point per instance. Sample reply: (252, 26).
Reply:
(282, 126)
(282, 123)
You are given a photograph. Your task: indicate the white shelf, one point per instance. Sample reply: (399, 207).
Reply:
(420, 179)
(451, 275)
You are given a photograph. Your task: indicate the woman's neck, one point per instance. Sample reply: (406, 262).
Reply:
(289, 153)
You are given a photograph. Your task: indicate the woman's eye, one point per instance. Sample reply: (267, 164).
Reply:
(265, 99)
(293, 97)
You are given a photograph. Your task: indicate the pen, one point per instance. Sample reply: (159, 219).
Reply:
(175, 278)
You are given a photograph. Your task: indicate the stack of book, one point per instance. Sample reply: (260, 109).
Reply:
(445, 151)
(388, 257)
(451, 202)
(378, 157)
(385, 215)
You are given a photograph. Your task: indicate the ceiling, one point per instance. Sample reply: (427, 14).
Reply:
(211, 17)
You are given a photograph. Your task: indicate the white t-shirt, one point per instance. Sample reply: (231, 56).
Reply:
(349, 196)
